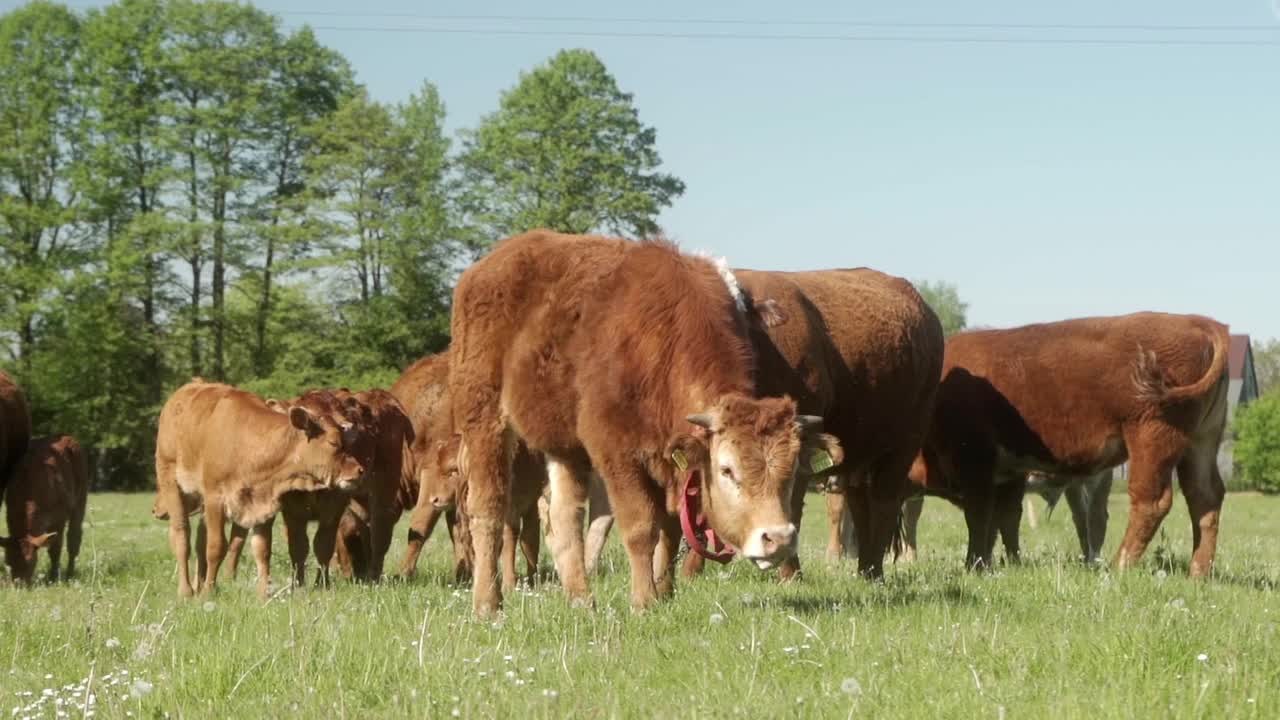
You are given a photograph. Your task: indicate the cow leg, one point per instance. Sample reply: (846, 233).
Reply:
(261, 542)
(1150, 497)
(978, 517)
(664, 556)
(1007, 511)
(75, 533)
(790, 568)
(325, 539)
(422, 521)
(238, 535)
(202, 553)
(842, 535)
(857, 505)
(911, 510)
(460, 538)
(1203, 489)
(530, 539)
(295, 533)
(180, 542)
(599, 521)
(1099, 496)
(488, 493)
(216, 545)
(1078, 500)
(382, 522)
(566, 510)
(510, 538)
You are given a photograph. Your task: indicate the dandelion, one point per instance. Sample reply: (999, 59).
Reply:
(851, 686)
(1202, 657)
(456, 713)
(552, 694)
(1177, 603)
(716, 618)
(511, 675)
(508, 658)
(140, 688)
(529, 669)
(112, 643)
(788, 650)
(208, 606)
(1161, 575)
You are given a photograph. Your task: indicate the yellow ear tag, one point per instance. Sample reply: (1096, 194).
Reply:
(820, 460)
(681, 461)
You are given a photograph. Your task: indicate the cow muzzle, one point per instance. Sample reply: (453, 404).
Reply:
(767, 547)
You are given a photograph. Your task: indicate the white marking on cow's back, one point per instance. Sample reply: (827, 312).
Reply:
(730, 280)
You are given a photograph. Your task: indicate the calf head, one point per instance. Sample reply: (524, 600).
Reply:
(327, 451)
(442, 475)
(20, 554)
(749, 451)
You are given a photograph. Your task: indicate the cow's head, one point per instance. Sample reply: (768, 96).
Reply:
(20, 554)
(749, 451)
(442, 473)
(333, 449)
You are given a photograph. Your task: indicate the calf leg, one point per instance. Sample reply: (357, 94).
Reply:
(488, 492)
(421, 522)
(979, 510)
(295, 533)
(382, 522)
(1203, 489)
(1078, 500)
(238, 535)
(75, 533)
(261, 542)
(841, 535)
(510, 533)
(54, 547)
(460, 538)
(1099, 495)
(216, 544)
(664, 556)
(569, 489)
(1007, 509)
(180, 541)
(790, 568)
(325, 539)
(202, 553)
(530, 539)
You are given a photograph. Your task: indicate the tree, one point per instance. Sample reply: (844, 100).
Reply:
(944, 298)
(1257, 442)
(38, 44)
(565, 150)
(1266, 363)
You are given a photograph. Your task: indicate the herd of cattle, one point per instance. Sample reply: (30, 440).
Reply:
(683, 399)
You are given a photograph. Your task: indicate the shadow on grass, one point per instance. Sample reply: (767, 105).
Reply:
(878, 597)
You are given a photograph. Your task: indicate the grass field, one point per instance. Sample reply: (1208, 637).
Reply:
(1048, 639)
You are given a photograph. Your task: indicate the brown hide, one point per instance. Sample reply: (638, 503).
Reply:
(46, 503)
(604, 352)
(15, 427)
(225, 450)
(1076, 397)
(863, 350)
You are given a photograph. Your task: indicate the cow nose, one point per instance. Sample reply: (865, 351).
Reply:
(767, 545)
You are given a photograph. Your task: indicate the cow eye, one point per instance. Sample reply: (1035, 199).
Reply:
(726, 472)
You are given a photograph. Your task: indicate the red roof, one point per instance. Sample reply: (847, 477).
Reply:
(1235, 358)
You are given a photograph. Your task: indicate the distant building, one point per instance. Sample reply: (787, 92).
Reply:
(1242, 389)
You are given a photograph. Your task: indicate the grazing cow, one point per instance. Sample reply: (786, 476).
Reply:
(863, 350)
(227, 451)
(423, 391)
(46, 503)
(633, 359)
(1074, 398)
(1086, 496)
(15, 427)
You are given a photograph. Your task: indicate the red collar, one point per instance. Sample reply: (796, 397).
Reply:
(693, 521)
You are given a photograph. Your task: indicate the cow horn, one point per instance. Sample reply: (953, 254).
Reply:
(809, 422)
(700, 419)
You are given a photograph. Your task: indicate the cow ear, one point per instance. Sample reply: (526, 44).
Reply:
(686, 451)
(39, 540)
(275, 404)
(820, 453)
(769, 313)
(301, 418)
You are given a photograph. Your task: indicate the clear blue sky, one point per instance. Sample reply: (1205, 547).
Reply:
(1045, 180)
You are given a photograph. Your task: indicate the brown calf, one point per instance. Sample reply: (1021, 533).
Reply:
(46, 502)
(614, 354)
(1074, 398)
(226, 450)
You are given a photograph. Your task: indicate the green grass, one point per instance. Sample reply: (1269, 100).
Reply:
(1049, 639)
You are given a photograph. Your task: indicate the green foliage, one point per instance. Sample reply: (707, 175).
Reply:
(944, 298)
(1257, 442)
(565, 150)
(1266, 364)
(189, 188)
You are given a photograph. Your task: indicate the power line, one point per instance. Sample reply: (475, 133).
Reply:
(808, 37)
(1146, 27)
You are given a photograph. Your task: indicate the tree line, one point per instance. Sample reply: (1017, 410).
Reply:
(189, 189)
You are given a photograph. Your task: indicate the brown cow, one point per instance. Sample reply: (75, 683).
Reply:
(1074, 398)
(15, 427)
(632, 358)
(227, 450)
(863, 350)
(46, 503)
